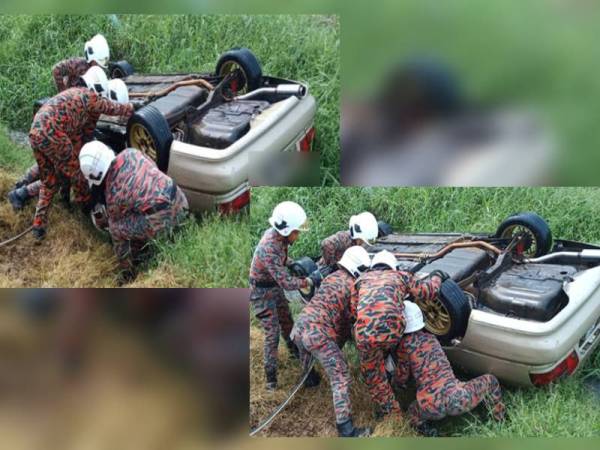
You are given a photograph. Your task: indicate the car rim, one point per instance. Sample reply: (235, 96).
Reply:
(437, 319)
(515, 230)
(141, 139)
(230, 67)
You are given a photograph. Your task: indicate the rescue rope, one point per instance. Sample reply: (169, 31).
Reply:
(280, 408)
(18, 236)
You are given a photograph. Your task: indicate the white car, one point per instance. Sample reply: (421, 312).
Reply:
(204, 130)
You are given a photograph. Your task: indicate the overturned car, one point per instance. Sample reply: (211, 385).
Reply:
(518, 305)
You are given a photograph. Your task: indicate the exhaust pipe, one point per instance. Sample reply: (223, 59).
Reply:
(283, 90)
(587, 255)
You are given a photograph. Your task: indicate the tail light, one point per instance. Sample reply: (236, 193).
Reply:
(566, 367)
(235, 205)
(305, 144)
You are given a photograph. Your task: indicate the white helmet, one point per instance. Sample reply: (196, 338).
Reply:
(386, 258)
(355, 260)
(288, 217)
(117, 91)
(94, 160)
(95, 79)
(364, 226)
(414, 317)
(96, 49)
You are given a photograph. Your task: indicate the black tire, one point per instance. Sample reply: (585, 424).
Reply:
(149, 132)
(535, 226)
(247, 63)
(120, 69)
(303, 267)
(384, 229)
(458, 309)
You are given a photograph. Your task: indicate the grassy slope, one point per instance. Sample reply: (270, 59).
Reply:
(206, 253)
(566, 409)
(296, 47)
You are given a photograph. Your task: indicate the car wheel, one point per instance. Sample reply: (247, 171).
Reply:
(302, 268)
(149, 132)
(120, 69)
(384, 229)
(538, 240)
(247, 66)
(447, 316)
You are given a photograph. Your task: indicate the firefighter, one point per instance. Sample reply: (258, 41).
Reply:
(323, 327)
(66, 74)
(59, 130)
(136, 202)
(269, 277)
(380, 321)
(439, 392)
(362, 229)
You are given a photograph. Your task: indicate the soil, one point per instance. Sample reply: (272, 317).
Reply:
(310, 413)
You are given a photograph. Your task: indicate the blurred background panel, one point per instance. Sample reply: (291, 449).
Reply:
(85, 368)
(471, 93)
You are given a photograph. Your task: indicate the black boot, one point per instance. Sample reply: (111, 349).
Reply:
(271, 381)
(18, 198)
(426, 429)
(347, 429)
(313, 379)
(293, 349)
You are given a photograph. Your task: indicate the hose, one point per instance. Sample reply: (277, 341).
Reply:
(274, 414)
(18, 236)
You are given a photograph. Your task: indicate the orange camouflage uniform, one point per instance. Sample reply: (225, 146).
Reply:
(439, 392)
(56, 136)
(380, 323)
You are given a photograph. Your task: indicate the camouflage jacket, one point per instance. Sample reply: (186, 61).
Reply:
(269, 263)
(380, 308)
(329, 310)
(334, 246)
(421, 355)
(67, 72)
(75, 112)
(135, 187)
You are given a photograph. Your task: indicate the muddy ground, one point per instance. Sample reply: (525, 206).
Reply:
(311, 412)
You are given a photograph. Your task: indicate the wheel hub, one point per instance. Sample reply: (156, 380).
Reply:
(141, 139)
(437, 319)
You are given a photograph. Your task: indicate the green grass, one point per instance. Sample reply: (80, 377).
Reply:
(298, 47)
(13, 158)
(566, 409)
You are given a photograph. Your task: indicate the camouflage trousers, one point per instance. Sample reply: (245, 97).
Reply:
(372, 367)
(455, 398)
(328, 352)
(131, 233)
(57, 156)
(271, 308)
(32, 184)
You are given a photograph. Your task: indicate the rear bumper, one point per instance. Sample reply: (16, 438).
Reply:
(210, 172)
(202, 201)
(513, 348)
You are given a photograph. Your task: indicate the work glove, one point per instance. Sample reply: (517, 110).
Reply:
(39, 233)
(316, 278)
(439, 273)
(100, 217)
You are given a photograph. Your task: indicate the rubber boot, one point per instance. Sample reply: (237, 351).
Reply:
(313, 379)
(426, 429)
(293, 349)
(271, 381)
(347, 429)
(18, 198)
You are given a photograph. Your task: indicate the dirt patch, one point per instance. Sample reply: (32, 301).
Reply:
(311, 411)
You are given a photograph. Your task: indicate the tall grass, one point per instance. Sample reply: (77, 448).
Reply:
(299, 47)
